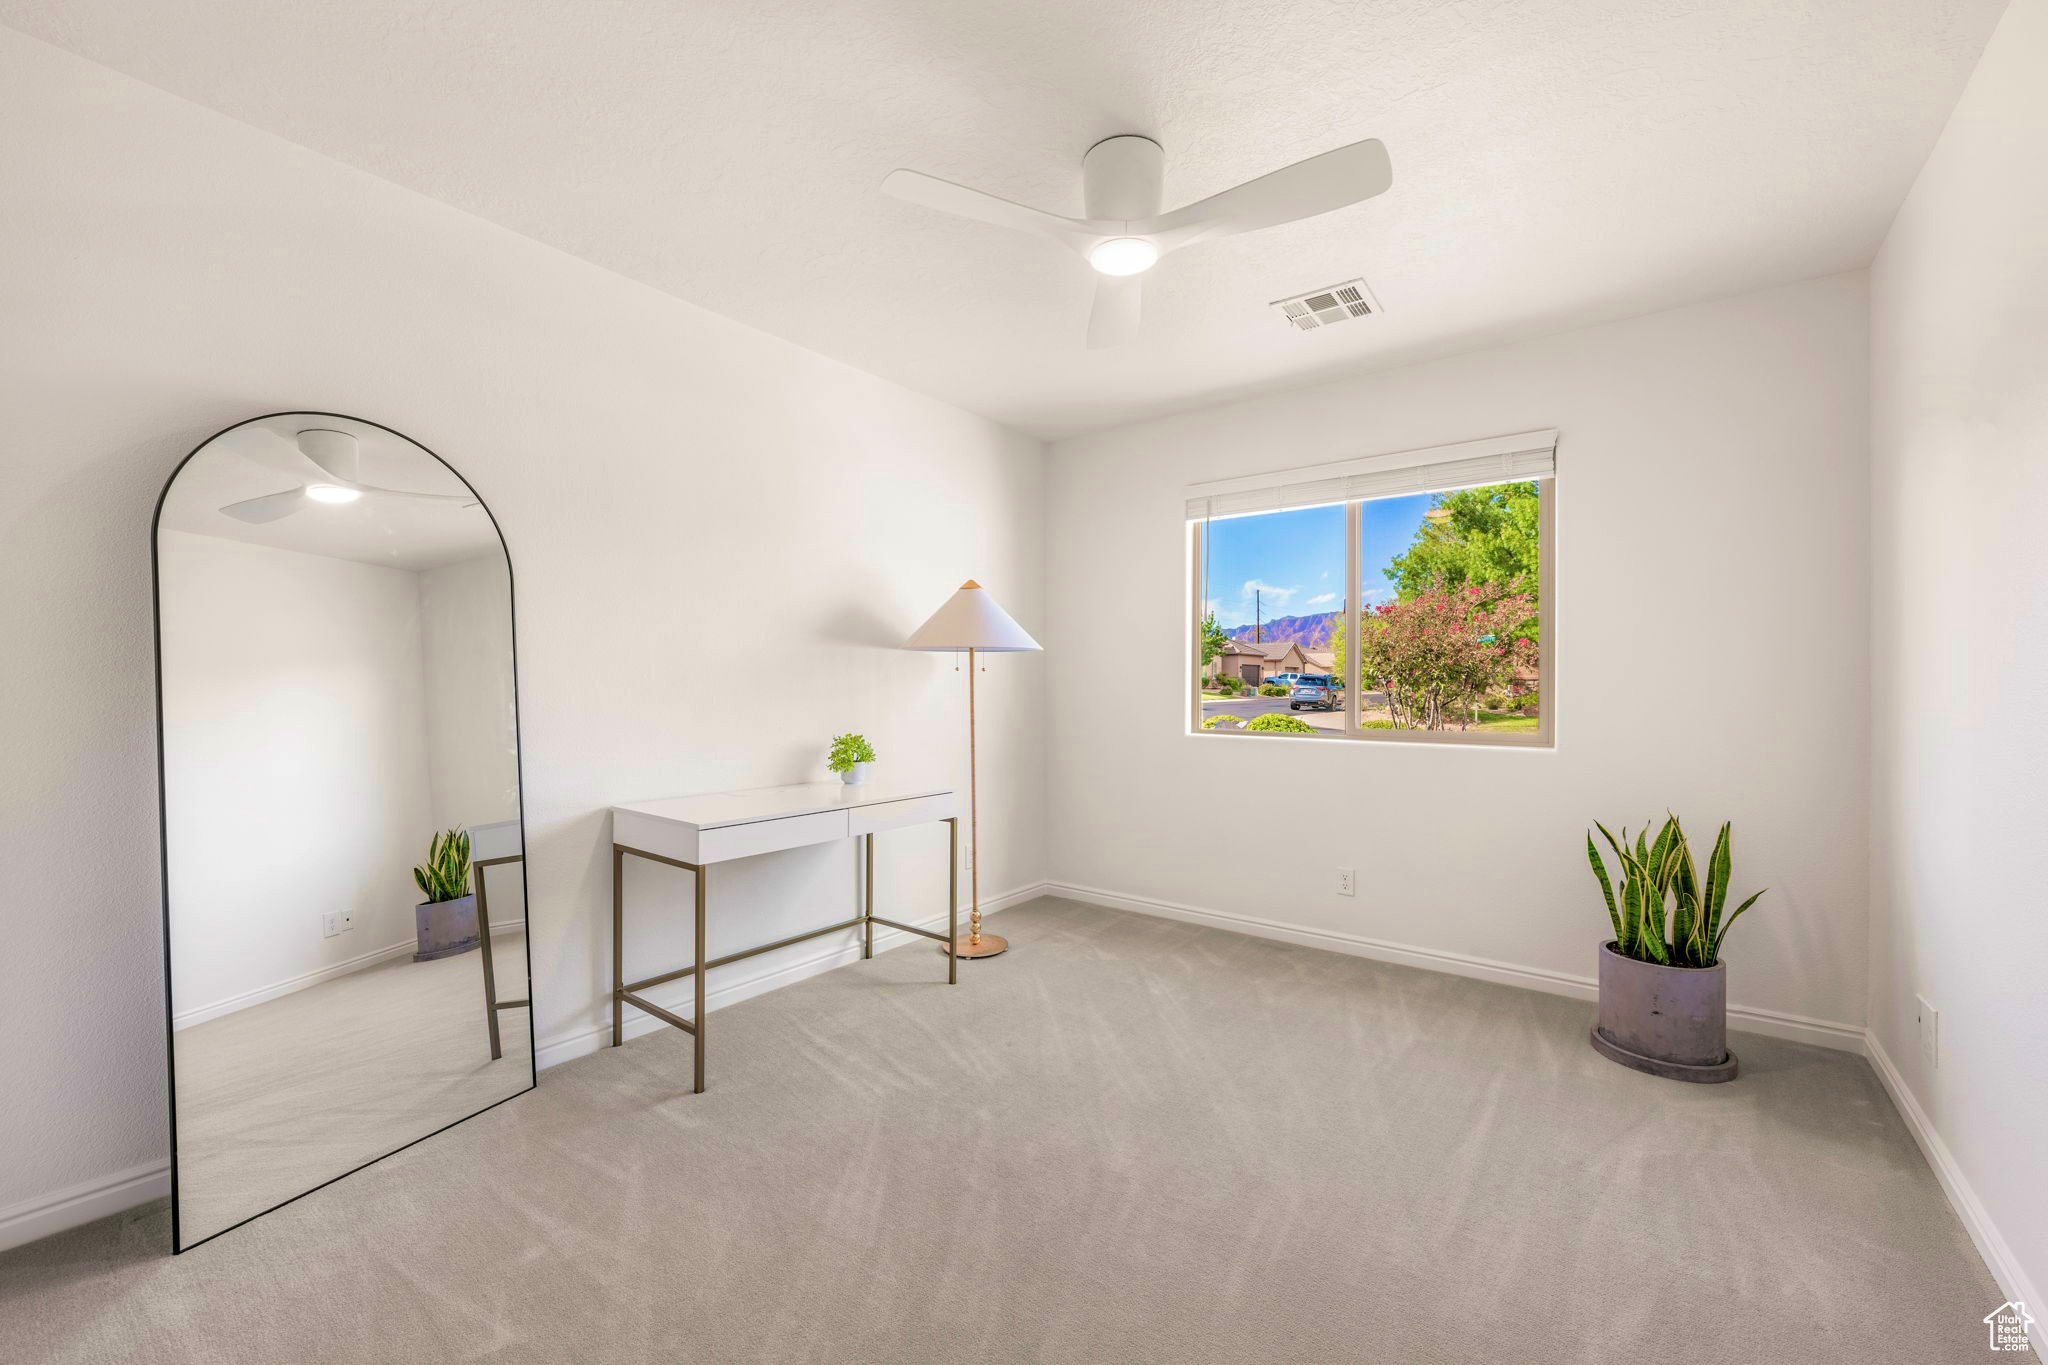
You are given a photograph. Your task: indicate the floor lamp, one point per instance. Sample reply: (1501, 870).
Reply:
(971, 620)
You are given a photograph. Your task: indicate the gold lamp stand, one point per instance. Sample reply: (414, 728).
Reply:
(972, 620)
(978, 944)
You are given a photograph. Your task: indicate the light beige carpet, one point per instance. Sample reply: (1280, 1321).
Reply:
(288, 1094)
(1125, 1140)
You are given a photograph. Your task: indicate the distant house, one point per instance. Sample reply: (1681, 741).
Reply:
(1253, 662)
(1320, 660)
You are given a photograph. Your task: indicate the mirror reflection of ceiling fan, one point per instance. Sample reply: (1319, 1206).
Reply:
(338, 458)
(1124, 232)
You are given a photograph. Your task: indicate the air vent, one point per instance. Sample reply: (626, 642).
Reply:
(1321, 307)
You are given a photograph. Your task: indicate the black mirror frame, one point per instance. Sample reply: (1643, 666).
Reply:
(178, 1245)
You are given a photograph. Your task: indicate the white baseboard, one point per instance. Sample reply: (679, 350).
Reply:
(1775, 1023)
(234, 1003)
(290, 984)
(581, 1042)
(1962, 1197)
(67, 1208)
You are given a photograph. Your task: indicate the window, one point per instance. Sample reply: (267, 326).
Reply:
(1274, 590)
(1435, 563)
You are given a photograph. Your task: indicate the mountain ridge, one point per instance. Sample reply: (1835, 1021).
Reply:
(1310, 632)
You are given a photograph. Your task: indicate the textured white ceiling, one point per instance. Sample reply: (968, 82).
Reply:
(1555, 161)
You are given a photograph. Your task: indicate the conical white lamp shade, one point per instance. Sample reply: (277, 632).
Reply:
(971, 619)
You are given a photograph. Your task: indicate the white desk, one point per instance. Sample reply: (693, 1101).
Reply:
(693, 832)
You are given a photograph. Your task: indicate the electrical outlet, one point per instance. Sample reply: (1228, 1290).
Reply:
(348, 920)
(1347, 881)
(330, 924)
(1930, 1033)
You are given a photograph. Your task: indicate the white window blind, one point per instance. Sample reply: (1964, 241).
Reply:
(1498, 459)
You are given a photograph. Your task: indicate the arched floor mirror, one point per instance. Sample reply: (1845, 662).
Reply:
(343, 837)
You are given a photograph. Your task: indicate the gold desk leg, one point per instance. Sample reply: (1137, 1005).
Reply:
(618, 945)
(483, 933)
(698, 977)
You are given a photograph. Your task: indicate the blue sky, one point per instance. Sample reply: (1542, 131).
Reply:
(1295, 560)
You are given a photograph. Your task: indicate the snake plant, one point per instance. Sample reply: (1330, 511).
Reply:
(1660, 871)
(444, 876)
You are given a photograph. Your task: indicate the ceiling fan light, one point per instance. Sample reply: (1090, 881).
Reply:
(332, 493)
(1124, 256)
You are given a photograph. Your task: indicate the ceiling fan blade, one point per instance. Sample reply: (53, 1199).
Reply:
(962, 202)
(269, 507)
(1303, 190)
(1116, 314)
(464, 499)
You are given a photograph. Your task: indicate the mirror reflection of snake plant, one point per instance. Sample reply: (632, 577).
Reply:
(1660, 872)
(444, 876)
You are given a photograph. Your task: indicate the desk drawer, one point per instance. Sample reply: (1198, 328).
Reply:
(766, 836)
(896, 814)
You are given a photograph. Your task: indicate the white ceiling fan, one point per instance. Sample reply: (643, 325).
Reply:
(338, 458)
(1125, 234)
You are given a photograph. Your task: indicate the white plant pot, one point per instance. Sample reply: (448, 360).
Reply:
(856, 775)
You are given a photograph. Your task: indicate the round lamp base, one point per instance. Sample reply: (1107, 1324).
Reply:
(989, 946)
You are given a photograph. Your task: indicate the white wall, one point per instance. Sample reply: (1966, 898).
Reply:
(294, 710)
(472, 726)
(1959, 323)
(672, 486)
(472, 732)
(1711, 608)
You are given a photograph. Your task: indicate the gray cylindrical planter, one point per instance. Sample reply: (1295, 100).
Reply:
(1668, 1021)
(445, 927)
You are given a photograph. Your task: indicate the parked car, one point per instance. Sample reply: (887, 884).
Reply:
(1280, 680)
(1318, 690)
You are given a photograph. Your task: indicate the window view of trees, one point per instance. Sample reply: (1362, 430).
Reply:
(1449, 616)
(1445, 651)
(1451, 642)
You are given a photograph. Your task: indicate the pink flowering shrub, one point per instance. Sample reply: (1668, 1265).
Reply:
(1438, 653)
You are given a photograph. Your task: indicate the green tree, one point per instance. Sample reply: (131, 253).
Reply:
(1214, 641)
(1338, 647)
(1484, 536)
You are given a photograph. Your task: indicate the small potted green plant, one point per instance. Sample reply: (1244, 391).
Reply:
(1664, 1002)
(851, 757)
(446, 920)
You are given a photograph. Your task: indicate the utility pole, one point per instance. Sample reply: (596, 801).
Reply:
(1258, 617)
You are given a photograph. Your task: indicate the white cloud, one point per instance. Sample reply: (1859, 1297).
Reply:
(1275, 598)
(1377, 594)
(1321, 599)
